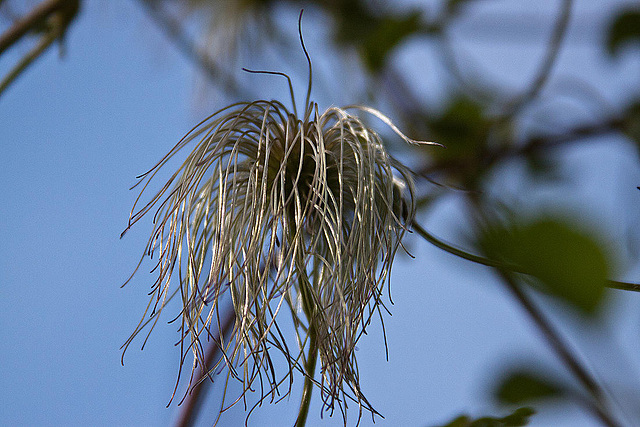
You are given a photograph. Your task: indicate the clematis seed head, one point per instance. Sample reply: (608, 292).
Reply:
(279, 217)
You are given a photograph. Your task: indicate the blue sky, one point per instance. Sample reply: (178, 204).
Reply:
(74, 133)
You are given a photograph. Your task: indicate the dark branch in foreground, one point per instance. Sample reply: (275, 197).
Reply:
(195, 397)
(51, 18)
(35, 19)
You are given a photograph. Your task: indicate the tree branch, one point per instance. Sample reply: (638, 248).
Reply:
(35, 18)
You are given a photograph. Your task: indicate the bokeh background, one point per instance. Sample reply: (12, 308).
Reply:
(82, 122)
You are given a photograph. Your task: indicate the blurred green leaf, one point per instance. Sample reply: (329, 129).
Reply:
(454, 6)
(520, 417)
(355, 22)
(521, 387)
(461, 421)
(389, 33)
(624, 29)
(543, 167)
(569, 263)
(375, 35)
(631, 123)
(462, 128)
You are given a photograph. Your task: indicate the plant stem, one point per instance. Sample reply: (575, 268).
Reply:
(312, 356)
(613, 284)
(310, 368)
(572, 363)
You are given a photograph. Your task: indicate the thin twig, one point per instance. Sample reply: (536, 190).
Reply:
(598, 404)
(309, 367)
(53, 16)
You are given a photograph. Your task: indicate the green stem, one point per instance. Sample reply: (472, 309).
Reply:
(613, 284)
(308, 306)
(310, 368)
(310, 365)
